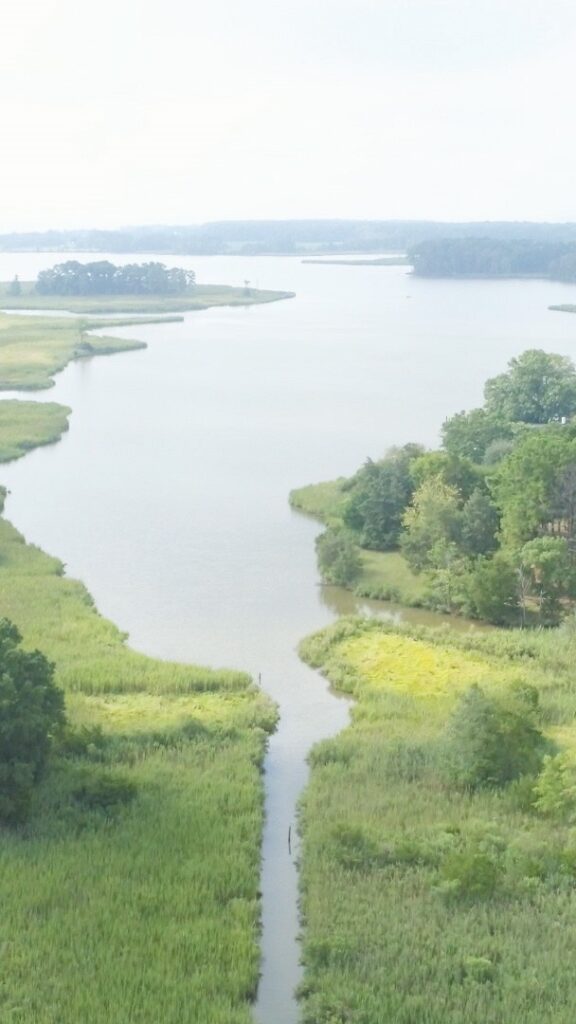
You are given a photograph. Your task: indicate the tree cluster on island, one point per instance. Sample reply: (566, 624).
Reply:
(489, 520)
(105, 278)
(495, 257)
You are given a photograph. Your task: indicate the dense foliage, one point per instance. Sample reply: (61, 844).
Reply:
(31, 711)
(492, 741)
(338, 557)
(495, 257)
(105, 278)
(489, 522)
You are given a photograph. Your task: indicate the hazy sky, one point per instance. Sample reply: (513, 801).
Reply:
(140, 111)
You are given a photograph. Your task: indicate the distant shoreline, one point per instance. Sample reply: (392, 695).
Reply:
(380, 261)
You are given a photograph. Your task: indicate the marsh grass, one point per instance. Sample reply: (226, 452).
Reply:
(25, 425)
(148, 910)
(132, 893)
(33, 349)
(422, 902)
(202, 297)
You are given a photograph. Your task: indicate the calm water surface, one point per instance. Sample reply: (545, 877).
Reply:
(168, 496)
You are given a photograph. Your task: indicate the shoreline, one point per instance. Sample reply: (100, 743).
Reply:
(190, 739)
(202, 297)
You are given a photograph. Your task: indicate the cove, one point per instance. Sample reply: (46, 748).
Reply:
(168, 496)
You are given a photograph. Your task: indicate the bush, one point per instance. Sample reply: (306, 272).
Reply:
(555, 789)
(31, 712)
(338, 558)
(105, 792)
(470, 873)
(490, 742)
(83, 741)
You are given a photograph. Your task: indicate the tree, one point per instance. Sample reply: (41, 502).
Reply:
(555, 789)
(431, 522)
(453, 470)
(102, 277)
(379, 495)
(539, 387)
(470, 434)
(338, 558)
(550, 572)
(15, 287)
(534, 488)
(31, 711)
(492, 590)
(491, 741)
(479, 524)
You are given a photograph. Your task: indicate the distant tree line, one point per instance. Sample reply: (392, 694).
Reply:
(287, 236)
(489, 521)
(104, 278)
(494, 257)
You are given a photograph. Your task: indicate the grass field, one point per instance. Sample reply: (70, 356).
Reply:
(202, 297)
(387, 936)
(132, 894)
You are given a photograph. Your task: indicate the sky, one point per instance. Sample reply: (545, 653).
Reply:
(124, 112)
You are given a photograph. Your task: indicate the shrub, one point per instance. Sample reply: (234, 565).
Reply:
(555, 789)
(470, 873)
(31, 712)
(490, 742)
(105, 792)
(338, 558)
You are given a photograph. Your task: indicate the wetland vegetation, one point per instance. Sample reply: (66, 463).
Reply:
(202, 296)
(438, 870)
(484, 527)
(131, 889)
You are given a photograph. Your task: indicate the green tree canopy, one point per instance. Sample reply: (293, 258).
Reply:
(538, 387)
(104, 278)
(492, 590)
(535, 486)
(453, 470)
(491, 741)
(469, 435)
(338, 558)
(548, 564)
(379, 494)
(31, 710)
(432, 523)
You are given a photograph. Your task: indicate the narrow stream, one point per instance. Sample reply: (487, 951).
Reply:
(168, 496)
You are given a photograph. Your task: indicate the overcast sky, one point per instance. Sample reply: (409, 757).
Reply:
(123, 112)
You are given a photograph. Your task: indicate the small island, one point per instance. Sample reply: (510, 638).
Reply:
(103, 287)
(35, 348)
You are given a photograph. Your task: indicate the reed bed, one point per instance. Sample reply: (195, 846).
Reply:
(388, 934)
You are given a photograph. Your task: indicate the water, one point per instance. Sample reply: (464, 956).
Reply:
(168, 496)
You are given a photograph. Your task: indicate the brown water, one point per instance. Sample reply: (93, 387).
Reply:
(168, 496)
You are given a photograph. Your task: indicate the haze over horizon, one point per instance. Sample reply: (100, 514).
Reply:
(125, 114)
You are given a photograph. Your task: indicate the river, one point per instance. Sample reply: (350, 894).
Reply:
(168, 496)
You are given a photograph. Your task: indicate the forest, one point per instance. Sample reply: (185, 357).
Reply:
(487, 523)
(495, 257)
